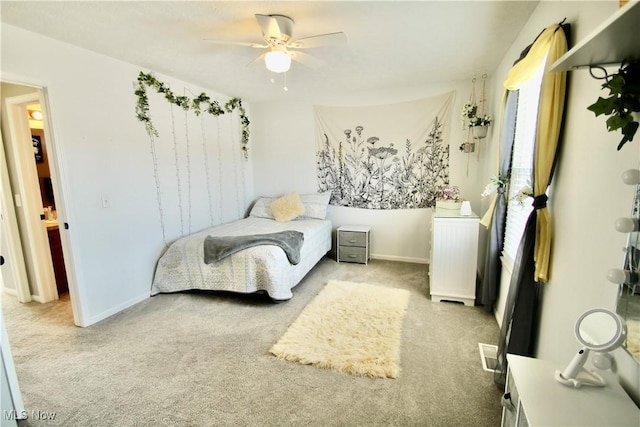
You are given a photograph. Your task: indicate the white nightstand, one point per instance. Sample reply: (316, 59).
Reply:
(354, 244)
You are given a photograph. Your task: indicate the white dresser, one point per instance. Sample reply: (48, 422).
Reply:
(454, 256)
(533, 397)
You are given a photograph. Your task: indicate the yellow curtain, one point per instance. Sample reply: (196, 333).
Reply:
(548, 47)
(525, 68)
(550, 112)
(488, 215)
(519, 74)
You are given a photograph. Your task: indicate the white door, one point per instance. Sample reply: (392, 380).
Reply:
(11, 398)
(13, 273)
(28, 202)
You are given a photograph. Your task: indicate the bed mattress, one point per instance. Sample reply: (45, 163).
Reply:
(259, 268)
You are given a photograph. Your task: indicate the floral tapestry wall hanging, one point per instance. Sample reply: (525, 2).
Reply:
(385, 156)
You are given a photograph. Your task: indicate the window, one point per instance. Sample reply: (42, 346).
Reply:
(522, 164)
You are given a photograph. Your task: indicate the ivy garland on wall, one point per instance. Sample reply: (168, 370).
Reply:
(202, 103)
(146, 80)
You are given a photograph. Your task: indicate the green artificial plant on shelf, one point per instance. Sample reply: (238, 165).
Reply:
(623, 100)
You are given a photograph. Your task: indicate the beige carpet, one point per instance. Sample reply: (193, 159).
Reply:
(349, 327)
(201, 359)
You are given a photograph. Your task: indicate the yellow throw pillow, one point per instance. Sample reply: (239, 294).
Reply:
(287, 207)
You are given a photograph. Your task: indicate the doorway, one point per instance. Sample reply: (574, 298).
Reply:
(32, 194)
(47, 196)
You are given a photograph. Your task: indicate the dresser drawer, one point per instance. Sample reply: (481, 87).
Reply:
(353, 254)
(352, 238)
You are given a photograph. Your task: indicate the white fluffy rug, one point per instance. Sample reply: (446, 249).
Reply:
(633, 337)
(349, 327)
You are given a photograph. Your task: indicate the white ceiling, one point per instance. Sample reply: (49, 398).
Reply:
(390, 43)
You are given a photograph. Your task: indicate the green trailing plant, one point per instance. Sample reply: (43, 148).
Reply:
(199, 104)
(470, 117)
(623, 101)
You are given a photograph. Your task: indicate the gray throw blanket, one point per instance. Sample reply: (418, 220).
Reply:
(220, 247)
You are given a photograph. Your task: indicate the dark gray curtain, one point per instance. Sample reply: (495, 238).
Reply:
(519, 330)
(519, 324)
(492, 263)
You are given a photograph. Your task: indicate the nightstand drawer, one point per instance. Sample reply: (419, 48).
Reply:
(353, 243)
(352, 238)
(353, 254)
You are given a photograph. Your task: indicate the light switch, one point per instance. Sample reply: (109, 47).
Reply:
(105, 202)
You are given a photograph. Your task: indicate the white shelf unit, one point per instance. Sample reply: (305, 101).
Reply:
(615, 40)
(454, 256)
(533, 397)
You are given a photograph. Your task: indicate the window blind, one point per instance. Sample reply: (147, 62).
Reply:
(522, 164)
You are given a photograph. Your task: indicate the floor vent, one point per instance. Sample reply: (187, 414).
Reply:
(488, 356)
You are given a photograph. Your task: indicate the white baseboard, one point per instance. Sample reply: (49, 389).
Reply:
(400, 258)
(117, 309)
(11, 292)
(37, 298)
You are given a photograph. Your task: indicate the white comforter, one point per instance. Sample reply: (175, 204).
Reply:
(258, 268)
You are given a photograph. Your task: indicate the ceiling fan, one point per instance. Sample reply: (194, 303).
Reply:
(277, 31)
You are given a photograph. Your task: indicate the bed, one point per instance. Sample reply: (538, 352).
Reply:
(264, 268)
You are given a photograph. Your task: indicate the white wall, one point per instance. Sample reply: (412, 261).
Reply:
(586, 196)
(285, 147)
(103, 152)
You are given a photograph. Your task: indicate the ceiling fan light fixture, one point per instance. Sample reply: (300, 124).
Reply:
(277, 61)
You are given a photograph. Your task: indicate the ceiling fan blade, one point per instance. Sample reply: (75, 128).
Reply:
(330, 39)
(306, 59)
(247, 44)
(257, 60)
(269, 26)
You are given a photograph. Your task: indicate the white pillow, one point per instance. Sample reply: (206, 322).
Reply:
(262, 209)
(315, 205)
(287, 207)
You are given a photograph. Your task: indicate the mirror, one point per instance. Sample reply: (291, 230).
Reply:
(598, 330)
(629, 292)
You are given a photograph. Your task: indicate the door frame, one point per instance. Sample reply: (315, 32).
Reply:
(56, 168)
(29, 205)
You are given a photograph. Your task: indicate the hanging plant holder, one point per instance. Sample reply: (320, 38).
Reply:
(475, 120)
(479, 132)
(468, 147)
(473, 115)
